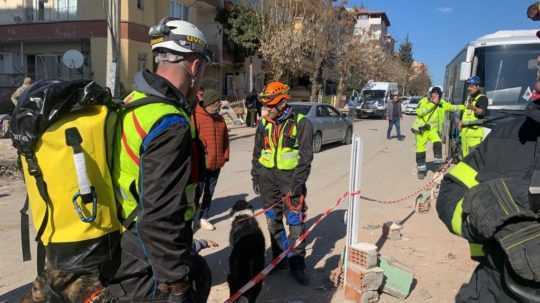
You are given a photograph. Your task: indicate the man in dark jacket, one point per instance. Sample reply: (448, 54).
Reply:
(490, 199)
(282, 159)
(393, 114)
(253, 109)
(156, 168)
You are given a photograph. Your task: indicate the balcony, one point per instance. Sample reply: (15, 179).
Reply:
(38, 11)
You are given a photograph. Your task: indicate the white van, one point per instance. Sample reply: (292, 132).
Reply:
(375, 96)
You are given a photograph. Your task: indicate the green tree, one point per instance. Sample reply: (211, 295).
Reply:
(407, 59)
(241, 29)
(406, 52)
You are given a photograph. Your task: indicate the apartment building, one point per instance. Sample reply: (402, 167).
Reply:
(36, 33)
(374, 26)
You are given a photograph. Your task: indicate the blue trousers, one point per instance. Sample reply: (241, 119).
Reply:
(391, 124)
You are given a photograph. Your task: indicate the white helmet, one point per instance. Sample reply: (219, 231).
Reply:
(179, 37)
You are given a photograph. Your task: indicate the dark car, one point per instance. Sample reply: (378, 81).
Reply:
(329, 125)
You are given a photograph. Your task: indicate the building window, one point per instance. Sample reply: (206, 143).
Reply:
(140, 4)
(53, 10)
(65, 10)
(178, 10)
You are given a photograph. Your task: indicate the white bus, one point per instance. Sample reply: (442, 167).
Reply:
(507, 63)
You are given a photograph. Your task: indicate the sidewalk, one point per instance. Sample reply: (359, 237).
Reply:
(239, 132)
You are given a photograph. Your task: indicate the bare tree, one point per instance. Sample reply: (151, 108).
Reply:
(296, 38)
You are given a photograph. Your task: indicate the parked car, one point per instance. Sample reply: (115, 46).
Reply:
(404, 101)
(410, 109)
(353, 107)
(329, 125)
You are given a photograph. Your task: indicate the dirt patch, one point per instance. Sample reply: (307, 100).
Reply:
(9, 169)
(8, 160)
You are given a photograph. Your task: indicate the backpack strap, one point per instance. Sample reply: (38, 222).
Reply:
(149, 100)
(25, 231)
(34, 171)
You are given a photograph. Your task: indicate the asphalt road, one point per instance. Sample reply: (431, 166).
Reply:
(439, 261)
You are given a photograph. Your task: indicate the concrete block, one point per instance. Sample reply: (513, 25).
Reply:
(369, 297)
(364, 255)
(394, 233)
(353, 295)
(365, 279)
(398, 278)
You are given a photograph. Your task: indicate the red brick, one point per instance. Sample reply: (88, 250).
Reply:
(363, 254)
(352, 294)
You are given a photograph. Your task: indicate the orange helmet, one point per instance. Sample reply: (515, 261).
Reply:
(274, 93)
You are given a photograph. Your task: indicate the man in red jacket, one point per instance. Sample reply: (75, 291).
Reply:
(214, 136)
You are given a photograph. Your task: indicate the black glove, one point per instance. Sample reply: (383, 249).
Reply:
(521, 243)
(492, 204)
(424, 128)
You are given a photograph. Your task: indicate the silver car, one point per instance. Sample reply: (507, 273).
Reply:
(329, 125)
(410, 109)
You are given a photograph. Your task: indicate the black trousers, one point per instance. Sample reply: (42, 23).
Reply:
(274, 185)
(487, 281)
(134, 280)
(251, 119)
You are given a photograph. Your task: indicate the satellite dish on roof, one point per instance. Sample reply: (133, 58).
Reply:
(73, 59)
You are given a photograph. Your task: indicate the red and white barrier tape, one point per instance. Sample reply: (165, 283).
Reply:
(264, 273)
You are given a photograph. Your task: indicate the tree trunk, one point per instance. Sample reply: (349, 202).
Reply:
(315, 79)
(340, 90)
(314, 85)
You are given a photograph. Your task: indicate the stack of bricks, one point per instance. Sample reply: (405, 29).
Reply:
(363, 277)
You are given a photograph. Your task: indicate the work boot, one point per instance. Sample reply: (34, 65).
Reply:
(438, 161)
(421, 165)
(297, 265)
(276, 251)
(437, 152)
(421, 174)
(283, 265)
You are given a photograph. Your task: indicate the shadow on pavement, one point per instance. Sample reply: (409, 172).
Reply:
(281, 287)
(223, 205)
(16, 294)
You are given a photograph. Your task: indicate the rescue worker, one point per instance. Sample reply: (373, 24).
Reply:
(155, 168)
(490, 199)
(477, 108)
(282, 159)
(430, 115)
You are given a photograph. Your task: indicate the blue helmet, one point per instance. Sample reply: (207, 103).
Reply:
(473, 81)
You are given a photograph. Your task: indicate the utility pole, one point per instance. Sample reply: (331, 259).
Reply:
(113, 46)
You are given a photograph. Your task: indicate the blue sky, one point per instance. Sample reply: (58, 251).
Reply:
(439, 29)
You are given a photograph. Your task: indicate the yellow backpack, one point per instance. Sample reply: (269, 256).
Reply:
(61, 132)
